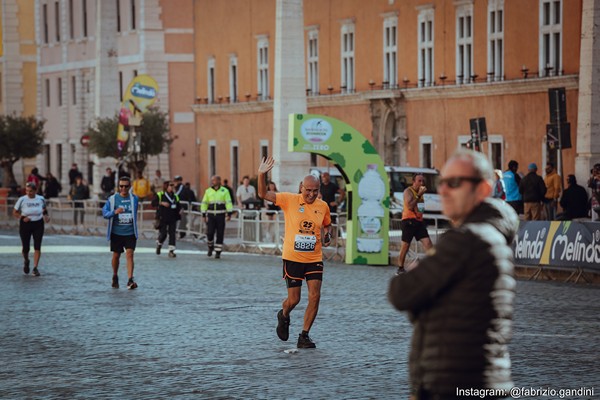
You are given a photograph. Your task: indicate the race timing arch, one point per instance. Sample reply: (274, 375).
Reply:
(367, 186)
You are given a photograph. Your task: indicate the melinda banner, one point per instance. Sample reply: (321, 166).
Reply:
(558, 243)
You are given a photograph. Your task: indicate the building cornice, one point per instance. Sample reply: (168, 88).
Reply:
(521, 86)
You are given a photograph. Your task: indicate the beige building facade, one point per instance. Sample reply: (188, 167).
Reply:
(407, 74)
(18, 61)
(88, 52)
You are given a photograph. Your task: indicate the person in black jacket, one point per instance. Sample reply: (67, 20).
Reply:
(169, 212)
(53, 187)
(574, 201)
(108, 183)
(460, 296)
(186, 196)
(533, 189)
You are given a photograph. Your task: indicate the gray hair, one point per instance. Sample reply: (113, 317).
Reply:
(481, 165)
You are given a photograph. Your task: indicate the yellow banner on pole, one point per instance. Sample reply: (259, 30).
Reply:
(140, 94)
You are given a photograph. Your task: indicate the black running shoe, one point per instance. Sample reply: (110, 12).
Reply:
(172, 254)
(131, 284)
(304, 342)
(36, 272)
(26, 266)
(400, 271)
(158, 246)
(210, 251)
(283, 326)
(115, 282)
(218, 254)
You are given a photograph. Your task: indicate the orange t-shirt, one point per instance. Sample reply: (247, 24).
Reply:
(303, 223)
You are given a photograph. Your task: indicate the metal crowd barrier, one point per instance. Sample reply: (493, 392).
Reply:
(248, 230)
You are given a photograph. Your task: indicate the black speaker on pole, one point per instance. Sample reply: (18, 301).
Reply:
(557, 99)
(558, 136)
(478, 128)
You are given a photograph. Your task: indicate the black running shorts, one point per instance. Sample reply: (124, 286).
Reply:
(118, 243)
(295, 272)
(412, 228)
(29, 229)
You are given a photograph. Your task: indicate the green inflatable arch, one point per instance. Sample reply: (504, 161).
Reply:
(367, 186)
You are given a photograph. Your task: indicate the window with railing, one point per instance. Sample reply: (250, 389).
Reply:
(59, 90)
(57, 20)
(495, 40)
(210, 83)
(347, 83)
(45, 21)
(550, 38)
(390, 52)
(233, 79)
(425, 47)
(84, 16)
(464, 44)
(313, 63)
(263, 68)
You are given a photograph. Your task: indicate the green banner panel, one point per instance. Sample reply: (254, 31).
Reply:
(367, 186)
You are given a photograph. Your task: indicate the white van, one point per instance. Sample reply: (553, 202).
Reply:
(400, 178)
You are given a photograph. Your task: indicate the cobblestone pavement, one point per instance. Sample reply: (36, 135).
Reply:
(205, 328)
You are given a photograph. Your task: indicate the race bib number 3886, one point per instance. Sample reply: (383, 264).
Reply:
(305, 243)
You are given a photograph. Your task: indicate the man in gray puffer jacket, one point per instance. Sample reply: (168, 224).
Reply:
(460, 296)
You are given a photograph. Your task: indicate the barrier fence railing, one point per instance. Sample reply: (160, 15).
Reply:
(260, 230)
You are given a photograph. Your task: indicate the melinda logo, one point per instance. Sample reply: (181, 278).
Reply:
(145, 92)
(316, 130)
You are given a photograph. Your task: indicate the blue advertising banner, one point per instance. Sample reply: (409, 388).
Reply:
(558, 243)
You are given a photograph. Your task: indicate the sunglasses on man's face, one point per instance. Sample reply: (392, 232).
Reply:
(457, 181)
(123, 186)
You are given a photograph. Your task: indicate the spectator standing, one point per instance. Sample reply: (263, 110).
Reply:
(229, 188)
(78, 194)
(329, 190)
(460, 297)
(35, 178)
(107, 185)
(169, 212)
(74, 173)
(499, 191)
(186, 197)
(157, 181)
(121, 211)
(533, 190)
(574, 201)
(594, 184)
(245, 192)
(271, 213)
(216, 202)
(53, 187)
(141, 187)
(553, 184)
(512, 179)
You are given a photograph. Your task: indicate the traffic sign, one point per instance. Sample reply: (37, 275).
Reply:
(85, 140)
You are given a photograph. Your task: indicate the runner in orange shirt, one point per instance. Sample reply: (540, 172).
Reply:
(305, 216)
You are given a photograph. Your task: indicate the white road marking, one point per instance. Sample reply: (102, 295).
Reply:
(90, 249)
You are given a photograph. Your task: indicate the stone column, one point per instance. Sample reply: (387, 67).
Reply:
(107, 69)
(106, 101)
(588, 113)
(290, 93)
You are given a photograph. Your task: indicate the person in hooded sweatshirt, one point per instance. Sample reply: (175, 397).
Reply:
(460, 296)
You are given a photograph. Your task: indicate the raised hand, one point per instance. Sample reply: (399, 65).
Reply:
(266, 165)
